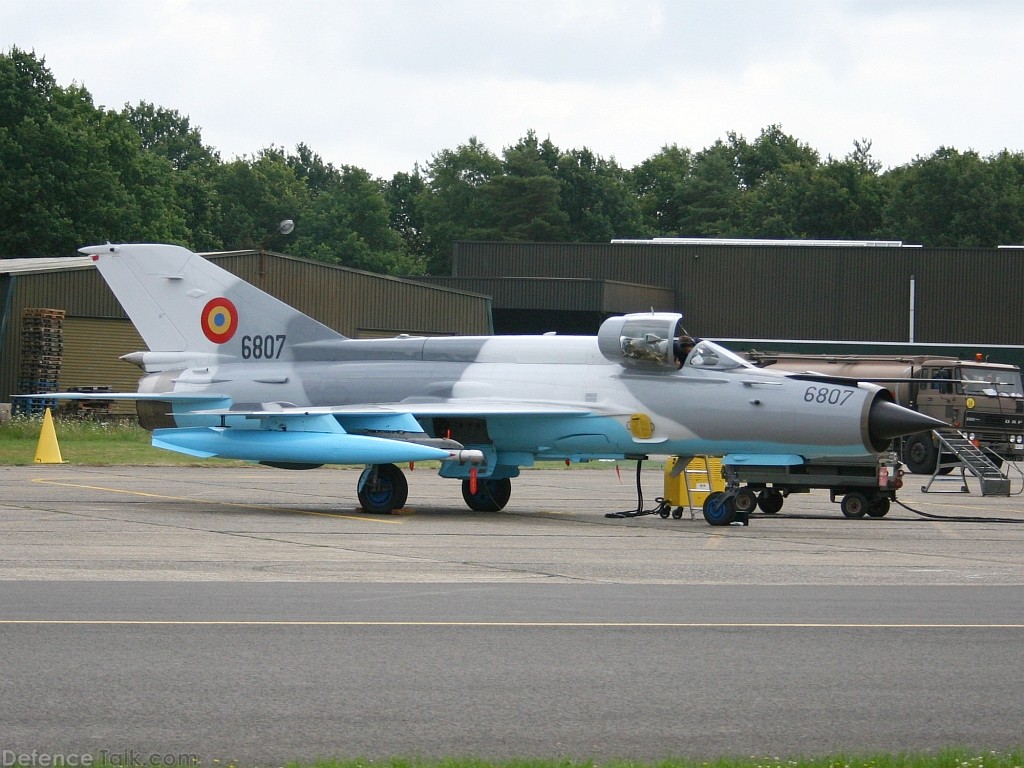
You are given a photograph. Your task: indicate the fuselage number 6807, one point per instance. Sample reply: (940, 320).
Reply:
(827, 395)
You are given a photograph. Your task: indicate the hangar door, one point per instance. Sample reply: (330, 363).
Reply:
(92, 347)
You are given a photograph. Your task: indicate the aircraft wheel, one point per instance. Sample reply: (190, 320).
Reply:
(491, 495)
(382, 488)
(878, 507)
(746, 500)
(854, 504)
(920, 454)
(719, 509)
(770, 502)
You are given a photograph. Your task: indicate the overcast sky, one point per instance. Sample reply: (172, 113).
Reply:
(385, 84)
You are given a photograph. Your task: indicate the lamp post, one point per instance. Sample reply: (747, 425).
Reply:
(285, 227)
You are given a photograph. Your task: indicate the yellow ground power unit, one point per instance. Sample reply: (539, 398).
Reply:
(689, 488)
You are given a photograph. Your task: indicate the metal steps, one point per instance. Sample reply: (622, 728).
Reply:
(956, 451)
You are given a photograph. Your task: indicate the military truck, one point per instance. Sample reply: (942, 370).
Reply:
(981, 399)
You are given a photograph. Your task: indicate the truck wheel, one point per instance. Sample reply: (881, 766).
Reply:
(878, 507)
(920, 453)
(746, 500)
(770, 502)
(719, 508)
(854, 504)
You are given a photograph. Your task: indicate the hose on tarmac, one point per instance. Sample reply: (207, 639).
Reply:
(957, 518)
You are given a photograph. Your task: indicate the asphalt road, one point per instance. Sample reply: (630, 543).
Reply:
(253, 615)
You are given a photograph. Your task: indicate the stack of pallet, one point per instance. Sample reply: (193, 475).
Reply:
(42, 349)
(90, 410)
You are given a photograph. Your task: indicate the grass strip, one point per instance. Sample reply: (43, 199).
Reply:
(115, 443)
(946, 758)
(95, 443)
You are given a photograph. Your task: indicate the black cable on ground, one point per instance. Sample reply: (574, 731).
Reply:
(958, 518)
(639, 511)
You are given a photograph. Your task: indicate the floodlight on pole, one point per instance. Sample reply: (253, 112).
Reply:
(285, 227)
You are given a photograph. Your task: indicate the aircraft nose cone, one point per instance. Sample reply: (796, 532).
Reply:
(888, 420)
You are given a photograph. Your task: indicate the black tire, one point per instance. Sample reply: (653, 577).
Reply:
(746, 500)
(878, 506)
(491, 495)
(920, 453)
(854, 504)
(719, 508)
(382, 488)
(770, 502)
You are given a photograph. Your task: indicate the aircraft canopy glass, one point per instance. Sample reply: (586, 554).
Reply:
(710, 356)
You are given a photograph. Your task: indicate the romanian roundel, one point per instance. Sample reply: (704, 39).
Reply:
(219, 320)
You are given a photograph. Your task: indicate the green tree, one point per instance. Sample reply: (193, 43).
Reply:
(255, 194)
(521, 202)
(169, 134)
(771, 153)
(315, 173)
(842, 199)
(957, 199)
(404, 193)
(348, 222)
(711, 197)
(451, 203)
(775, 174)
(659, 183)
(597, 197)
(73, 174)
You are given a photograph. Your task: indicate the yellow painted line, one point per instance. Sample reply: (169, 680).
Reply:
(505, 624)
(144, 494)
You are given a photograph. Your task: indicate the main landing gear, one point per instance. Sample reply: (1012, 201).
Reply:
(383, 488)
(490, 495)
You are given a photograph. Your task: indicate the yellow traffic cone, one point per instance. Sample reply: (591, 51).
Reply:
(47, 450)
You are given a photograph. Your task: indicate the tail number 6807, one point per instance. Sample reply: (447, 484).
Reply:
(263, 347)
(827, 395)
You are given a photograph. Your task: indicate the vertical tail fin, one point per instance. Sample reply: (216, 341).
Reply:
(182, 303)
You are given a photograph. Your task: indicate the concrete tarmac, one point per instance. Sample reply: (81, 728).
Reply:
(253, 616)
(63, 522)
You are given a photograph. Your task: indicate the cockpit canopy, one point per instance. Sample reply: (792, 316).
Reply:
(646, 341)
(642, 341)
(710, 356)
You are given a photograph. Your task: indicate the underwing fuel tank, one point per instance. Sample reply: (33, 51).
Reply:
(299, 447)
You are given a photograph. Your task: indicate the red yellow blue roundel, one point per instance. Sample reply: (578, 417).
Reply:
(219, 320)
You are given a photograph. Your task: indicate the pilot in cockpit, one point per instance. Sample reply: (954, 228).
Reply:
(681, 348)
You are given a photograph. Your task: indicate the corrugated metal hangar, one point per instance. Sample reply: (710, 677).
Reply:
(571, 305)
(95, 331)
(874, 293)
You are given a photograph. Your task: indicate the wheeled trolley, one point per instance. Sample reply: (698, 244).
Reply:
(862, 486)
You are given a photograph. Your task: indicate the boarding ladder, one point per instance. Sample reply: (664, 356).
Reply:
(956, 451)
